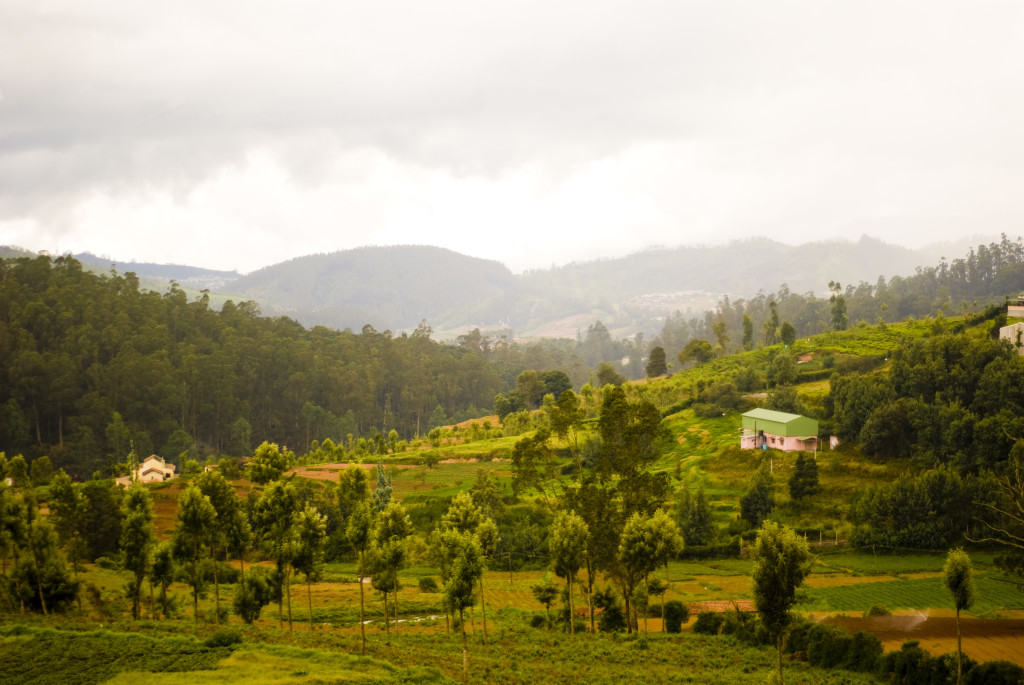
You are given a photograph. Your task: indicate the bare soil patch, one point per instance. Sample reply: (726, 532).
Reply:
(984, 639)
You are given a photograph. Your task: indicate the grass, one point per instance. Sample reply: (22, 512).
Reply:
(994, 593)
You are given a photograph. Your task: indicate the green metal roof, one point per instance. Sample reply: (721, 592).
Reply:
(780, 423)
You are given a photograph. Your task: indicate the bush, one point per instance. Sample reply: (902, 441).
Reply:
(254, 595)
(864, 652)
(538, 621)
(877, 610)
(995, 673)
(708, 623)
(428, 584)
(109, 563)
(914, 666)
(611, 619)
(676, 614)
(827, 645)
(224, 638)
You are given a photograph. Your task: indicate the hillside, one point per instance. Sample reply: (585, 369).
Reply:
(397, 287)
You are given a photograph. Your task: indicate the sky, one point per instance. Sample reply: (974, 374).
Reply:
(235, 135)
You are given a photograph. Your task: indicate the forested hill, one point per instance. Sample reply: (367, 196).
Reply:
(89, 361)
(397, 287)
(386, 287)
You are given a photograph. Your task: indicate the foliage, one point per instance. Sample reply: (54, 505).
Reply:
(708, 623)
(757, 504)
(804, 481)
(268, 463)
(676, 614)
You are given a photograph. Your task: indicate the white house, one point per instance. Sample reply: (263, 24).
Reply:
(153, 470)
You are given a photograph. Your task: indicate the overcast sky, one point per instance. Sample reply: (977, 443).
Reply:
(235, 135)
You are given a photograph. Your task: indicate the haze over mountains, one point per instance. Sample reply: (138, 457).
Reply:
(397, 287)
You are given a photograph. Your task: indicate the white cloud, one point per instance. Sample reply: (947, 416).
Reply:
(533, 133)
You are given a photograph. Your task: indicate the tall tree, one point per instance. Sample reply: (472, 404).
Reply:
(757, 504)
(568, 546)
(467, 566)
(956, 573)
(310, 535)
(137, 539)
(358, 532)
(226, 524)
(268, 463)
(656, 365)
(196, 519)
(487, 535)
(804, 481)
(393, 527)
(275, 515)
(781, 562)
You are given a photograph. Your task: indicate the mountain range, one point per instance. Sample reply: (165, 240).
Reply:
(398, 287)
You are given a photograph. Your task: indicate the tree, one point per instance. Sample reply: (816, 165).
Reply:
(42, 471)
(487, 535)
(393, 527)
(566, 418)
(229, 530)
(698, 351)
(268, 463)
(694, 517)
(804, 481)
(357, 531)
(252, 594)
(382, 495)
(467, 566)
(310, 534)
(757, 504)
(137, 540)
(275, 514)
(839, 319)
(656, 365)
(568, 546)
(162, 571)
(781, 562)
(40, 573)
(956, 573)
(607, 375)
(546, 593)
(721, 332)
(17, 471)
(788, 333)
(196, 518)
(748, 332)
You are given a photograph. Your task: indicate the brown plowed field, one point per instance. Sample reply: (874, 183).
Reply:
(984, 639)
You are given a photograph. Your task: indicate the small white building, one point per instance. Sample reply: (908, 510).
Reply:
(1015, 334)
(153, 470)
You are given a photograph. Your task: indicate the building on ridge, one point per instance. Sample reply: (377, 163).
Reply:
(766, 429)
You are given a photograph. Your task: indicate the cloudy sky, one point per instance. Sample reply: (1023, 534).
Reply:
(235, 135)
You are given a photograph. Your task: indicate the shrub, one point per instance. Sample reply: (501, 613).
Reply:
(224, 638)
(995, 673)
(254, 595)
(676, 614)
(708, 623)
(912, 665)
(428, 584)
(109, 563)
(612, 619)
(538, 621)
(827, 645)
(864, 652)
(877, 610)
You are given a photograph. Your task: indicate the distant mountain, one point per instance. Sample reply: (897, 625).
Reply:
(189, 277)
(397, 287)
(387, 287)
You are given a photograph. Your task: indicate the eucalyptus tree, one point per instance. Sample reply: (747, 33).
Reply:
(393, 527)
(275, 515)
(228, 531)
(196, 518)
(646, 544)
(66, 508)
(467, 566)
(358, 532)
(488, 537)
(268, 463)
(310, 535)
(161, 572)
(137, 539)
(781, 562)
(568, 546)
(956, 573)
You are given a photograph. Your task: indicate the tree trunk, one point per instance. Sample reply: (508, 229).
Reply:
(216, 587)
(590, 592)
(959, 650)
(309, 600)
(647, 592)
(387, 617)
(465, 648)
(629, 613)
(483, 606)
(572, 623)
(288, 594)
(778, 647)
(362, 622)
(395, 601)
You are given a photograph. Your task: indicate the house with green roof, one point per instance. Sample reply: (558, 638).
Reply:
(766, 429)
